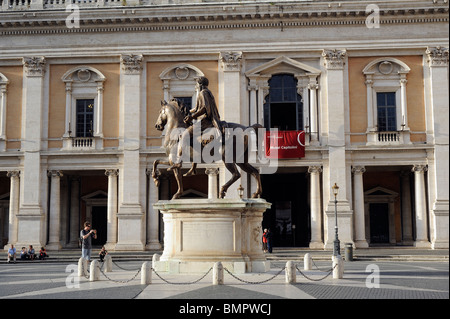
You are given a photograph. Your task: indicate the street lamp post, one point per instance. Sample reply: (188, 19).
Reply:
(336, 243)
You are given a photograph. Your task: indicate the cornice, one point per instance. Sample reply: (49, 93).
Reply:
(215, 16)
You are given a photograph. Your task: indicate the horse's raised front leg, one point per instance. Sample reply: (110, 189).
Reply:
(155, 173)
(234, 177)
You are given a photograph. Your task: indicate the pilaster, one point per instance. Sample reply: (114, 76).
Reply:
(229, 103)
(31, 216)
(130, 216)
(334, 101)
(438, 63)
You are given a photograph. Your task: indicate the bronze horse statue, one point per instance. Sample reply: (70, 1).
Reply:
(171, 117)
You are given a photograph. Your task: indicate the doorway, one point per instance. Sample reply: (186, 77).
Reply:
(99, 222)
(289, 217)
(379, 223)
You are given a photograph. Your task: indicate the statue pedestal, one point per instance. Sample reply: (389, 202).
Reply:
(200, 232)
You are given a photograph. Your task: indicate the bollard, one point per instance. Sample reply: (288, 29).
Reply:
(291, 275)
(94, 270)
(307, 260)
(348, 252)
(108, 263)
(146, 273)
(338, 267)
(218, 274)
(82, 267)
(155, 258)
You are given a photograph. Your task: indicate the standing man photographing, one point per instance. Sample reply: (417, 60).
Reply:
(86, 235)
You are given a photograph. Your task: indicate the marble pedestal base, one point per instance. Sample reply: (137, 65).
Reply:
(200, 232)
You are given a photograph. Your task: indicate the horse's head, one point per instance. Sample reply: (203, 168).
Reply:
(173, 111)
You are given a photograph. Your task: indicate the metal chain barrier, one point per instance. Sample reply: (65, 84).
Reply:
(331, 269)
(315, 279)
(181, 283)
(119, 281)
(254, 282)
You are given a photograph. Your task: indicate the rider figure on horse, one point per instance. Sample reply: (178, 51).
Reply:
(206, 111)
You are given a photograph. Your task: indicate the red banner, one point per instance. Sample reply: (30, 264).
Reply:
(285, 144)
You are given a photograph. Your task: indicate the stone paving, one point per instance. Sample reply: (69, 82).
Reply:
(397, 280)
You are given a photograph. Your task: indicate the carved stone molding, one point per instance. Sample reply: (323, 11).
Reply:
(419, 168)
(334, 59)
(437, 56)
(131, 64)
(112, 172)
(34, 66)
(358, 169)
(13, 174)
(314, 169)
(55, 173)
(231, 61)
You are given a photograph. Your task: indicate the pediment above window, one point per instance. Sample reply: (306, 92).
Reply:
(385, 67)
(283, 64)
(83, 74)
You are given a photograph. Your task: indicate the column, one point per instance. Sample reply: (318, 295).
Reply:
(31, 215)
(420, 207)
(404, 122)
(407, 232)
(439, 170)
(370, 115)
(13, 206)
(98, 130)
(153, 215)
(336, 169)
(212, 173)
(313, 113)
(68, 129)
(358, 189)
(75, 226)
(316, 213)
(130, 216)
(54, 240)
(111, 232)
(252, 88)
(3, 104)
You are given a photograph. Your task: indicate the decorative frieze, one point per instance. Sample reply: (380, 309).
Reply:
(437, 56)
(231, 61)
(34, 66)
(334, 59)
(131, 64)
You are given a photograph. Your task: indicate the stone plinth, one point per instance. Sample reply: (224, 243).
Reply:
(201, 232)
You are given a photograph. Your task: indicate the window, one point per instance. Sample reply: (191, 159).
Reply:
(386, 110)
(187, 101)
(84, 108)
(283, 108)
(85, 118)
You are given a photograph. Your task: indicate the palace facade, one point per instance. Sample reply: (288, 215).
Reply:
(367, 81)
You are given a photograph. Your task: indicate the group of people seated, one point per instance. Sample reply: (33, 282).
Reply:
(25, 254)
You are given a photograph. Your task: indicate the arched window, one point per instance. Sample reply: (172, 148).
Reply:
(283, 108)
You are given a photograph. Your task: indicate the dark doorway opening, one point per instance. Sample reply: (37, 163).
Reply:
(379, 223)
(289, 217)
(99, 223)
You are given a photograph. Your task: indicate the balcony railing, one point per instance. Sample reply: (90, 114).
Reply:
(83, 142)
(389, 137)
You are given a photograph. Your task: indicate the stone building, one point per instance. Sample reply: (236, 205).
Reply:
(81, 83)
